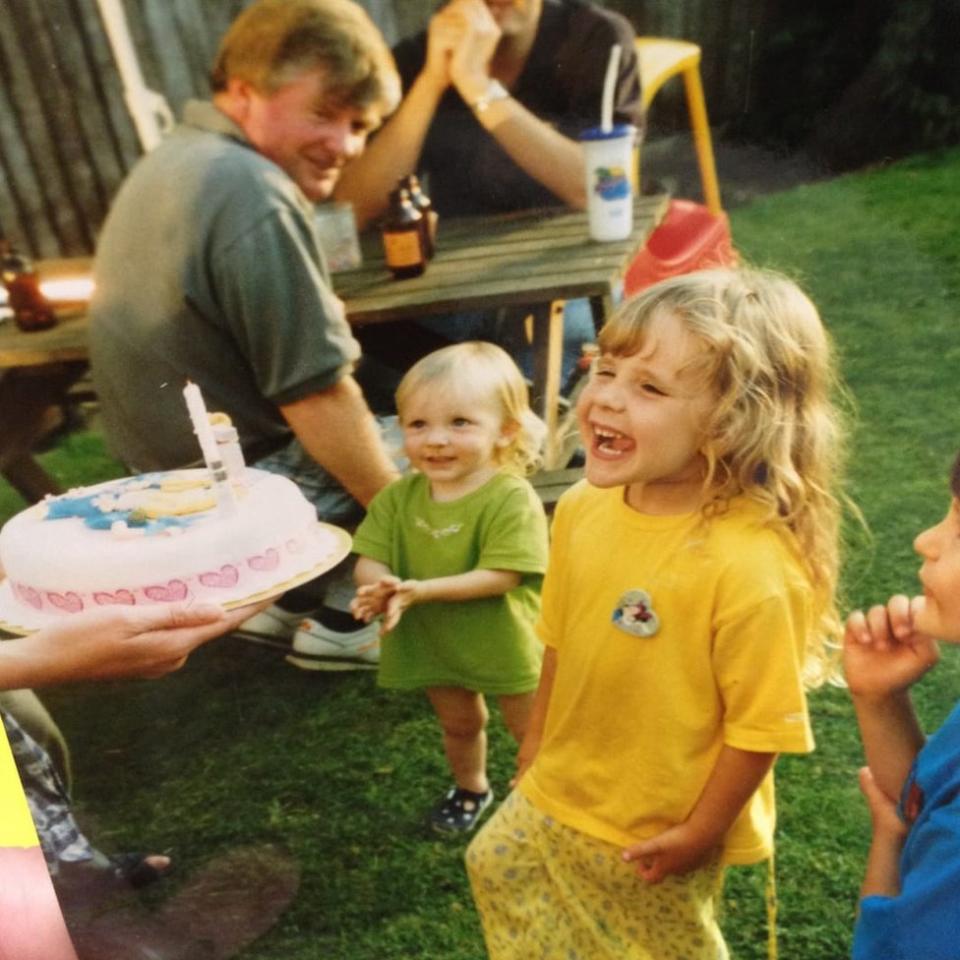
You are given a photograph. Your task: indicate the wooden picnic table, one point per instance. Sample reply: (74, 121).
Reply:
(535, 258)
(36, 371)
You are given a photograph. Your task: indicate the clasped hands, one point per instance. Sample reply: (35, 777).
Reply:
(386, 597)
(461, 41)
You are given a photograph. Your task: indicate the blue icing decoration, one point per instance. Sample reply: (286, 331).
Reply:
(162, 523)
(64, 507)
(82, 507)
(104, 521)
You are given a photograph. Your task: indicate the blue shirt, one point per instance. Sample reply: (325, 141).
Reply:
(923, 921)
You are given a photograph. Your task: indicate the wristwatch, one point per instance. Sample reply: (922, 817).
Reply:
(495, 91)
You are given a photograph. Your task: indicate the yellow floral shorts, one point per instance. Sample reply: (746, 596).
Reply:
(547, 892)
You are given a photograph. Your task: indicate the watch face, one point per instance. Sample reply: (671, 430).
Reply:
(495, 91)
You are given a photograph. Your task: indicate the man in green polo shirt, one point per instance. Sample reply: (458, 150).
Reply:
(208, 269)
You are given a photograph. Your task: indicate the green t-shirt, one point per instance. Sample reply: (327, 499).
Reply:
(488, 645)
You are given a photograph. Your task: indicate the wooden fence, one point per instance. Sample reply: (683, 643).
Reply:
(66, 138)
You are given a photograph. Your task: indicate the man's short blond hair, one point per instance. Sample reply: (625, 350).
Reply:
(274, 41)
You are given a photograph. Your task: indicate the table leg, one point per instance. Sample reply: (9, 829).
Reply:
(564, 436)
(601, 307)
(27, 395)
(547, 356)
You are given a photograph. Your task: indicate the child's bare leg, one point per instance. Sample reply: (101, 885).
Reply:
(516, 708)
(463, 717)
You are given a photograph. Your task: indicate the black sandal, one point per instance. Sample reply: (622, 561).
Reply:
(134, 868)
(85, 883)
(459, 810)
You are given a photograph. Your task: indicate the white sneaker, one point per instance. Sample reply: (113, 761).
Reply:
(323, 648)
(274, 623)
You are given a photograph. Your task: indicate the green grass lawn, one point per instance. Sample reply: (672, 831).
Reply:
(240, 748)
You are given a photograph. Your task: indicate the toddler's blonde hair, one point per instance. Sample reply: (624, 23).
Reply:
(774, 432)
(489, 376)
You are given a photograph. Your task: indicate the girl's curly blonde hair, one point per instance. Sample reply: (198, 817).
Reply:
(774, 432)
(489, 376)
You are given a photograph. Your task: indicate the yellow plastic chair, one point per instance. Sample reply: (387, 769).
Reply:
(661, 59)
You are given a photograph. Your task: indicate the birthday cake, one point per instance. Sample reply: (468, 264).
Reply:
(166, 537)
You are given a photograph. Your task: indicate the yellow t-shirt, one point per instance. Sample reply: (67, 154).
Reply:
(16, 824)
(674, 636)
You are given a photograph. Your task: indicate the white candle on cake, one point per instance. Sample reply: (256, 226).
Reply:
(208, 445)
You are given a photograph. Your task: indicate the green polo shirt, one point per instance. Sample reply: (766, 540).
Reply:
(209, 269)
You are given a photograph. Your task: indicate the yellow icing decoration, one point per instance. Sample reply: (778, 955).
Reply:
(184, 481)
(167, 504)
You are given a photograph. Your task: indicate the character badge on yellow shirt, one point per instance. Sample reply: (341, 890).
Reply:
(634, 614)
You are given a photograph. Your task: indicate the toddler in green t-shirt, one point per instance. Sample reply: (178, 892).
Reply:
(452, 557)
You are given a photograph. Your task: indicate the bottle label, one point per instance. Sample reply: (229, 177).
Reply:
(403, 249)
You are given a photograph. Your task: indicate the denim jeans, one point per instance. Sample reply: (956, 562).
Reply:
(333, 503)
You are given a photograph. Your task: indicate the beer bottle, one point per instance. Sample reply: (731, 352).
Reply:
(423, 203)
(31, 311)
(403, 237)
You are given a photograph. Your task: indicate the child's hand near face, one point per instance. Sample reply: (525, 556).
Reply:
(883, 653)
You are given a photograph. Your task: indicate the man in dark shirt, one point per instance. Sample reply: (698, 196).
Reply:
(495, 94)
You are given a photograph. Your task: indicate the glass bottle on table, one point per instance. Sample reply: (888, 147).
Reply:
(404, 245)
(425, 205)
(31, 309)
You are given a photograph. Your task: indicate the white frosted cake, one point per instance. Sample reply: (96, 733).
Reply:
(161, 538)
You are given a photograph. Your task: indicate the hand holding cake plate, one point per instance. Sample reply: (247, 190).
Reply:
(113, 643)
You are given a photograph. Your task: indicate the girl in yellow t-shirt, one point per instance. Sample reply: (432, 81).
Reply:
(688, 601)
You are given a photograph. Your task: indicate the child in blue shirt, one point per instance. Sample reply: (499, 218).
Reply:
(910, 907)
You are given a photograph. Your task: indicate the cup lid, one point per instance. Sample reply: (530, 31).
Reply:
(616, 132)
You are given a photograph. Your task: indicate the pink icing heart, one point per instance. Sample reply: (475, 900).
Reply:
(226, 576)
(69, 602)
(121, 596)
(269, 560)
(29, 595)
(174, 590)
